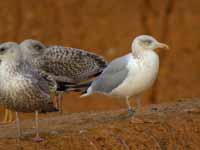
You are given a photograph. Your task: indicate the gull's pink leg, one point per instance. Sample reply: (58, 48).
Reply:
(18, 125)
(37, 137)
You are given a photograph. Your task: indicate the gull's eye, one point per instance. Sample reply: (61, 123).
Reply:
(148, 42)
(38, 47)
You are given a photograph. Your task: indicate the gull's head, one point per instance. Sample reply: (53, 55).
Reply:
(9, 51)
(146, 42)
(32, 48)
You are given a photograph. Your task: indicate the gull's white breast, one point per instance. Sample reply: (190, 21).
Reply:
(141, 76)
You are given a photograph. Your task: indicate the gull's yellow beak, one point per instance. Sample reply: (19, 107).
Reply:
(163, 45)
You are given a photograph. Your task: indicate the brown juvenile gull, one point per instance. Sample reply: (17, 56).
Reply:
(64, 64)
(131, 74)
(23, 88)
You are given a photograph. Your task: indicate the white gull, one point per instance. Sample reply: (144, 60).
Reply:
(132, 74)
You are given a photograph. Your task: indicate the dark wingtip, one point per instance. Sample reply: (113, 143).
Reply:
(78, 87)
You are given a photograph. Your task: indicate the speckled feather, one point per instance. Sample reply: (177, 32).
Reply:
(23, 89)
(70, 64)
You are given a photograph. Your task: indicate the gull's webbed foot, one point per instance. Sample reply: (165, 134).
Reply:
(131, 112)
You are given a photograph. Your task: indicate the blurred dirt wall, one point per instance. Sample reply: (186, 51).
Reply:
(108, 27)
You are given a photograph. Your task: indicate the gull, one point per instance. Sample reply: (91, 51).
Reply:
(130, 75)
(68, 66)
(22, 87)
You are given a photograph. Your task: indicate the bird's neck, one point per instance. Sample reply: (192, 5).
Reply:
(11, 63)
(30, 57)
(9, 70)
(137, 51)
(27, 58)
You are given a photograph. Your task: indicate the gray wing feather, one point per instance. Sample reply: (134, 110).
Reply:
(112, 76)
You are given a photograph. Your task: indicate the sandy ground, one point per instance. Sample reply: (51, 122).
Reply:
(166, 126)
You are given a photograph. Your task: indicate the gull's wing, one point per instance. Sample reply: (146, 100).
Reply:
(37, 85)
(71, 64)
(37, 78)
(112, 76)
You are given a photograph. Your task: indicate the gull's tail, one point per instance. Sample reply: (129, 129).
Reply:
(87, 92)
(76, 87)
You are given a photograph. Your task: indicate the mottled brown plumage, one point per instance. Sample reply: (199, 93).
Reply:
(22, 87)
(74, 64)
(27, 92)
(65, 64)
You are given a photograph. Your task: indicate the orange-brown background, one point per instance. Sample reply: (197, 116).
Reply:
(107, 27)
